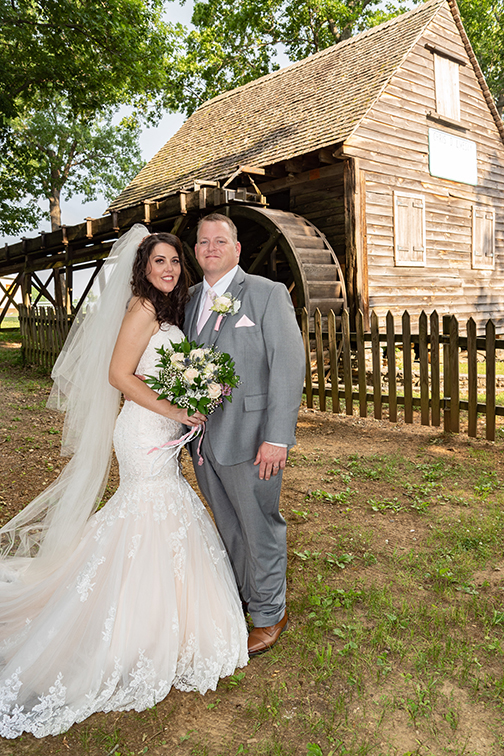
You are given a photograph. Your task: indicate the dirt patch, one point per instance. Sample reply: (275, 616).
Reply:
(365, 548)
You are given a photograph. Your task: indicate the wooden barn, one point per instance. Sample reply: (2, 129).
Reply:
(377, 163)
(370, 174)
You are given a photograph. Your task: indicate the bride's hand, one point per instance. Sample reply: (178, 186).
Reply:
(191, 420)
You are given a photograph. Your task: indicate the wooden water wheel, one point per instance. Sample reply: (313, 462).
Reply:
(286, 247)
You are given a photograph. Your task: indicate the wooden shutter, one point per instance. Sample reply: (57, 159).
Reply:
(483, 237)
(446, 75)
(409, 229)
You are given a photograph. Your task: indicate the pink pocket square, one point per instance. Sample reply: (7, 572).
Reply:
(244, 322)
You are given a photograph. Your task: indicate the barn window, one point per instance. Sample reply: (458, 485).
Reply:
(483, 237)
(409, 229)
(446, 77)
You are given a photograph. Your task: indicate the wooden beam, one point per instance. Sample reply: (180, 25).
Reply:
(351, 220)
(99, 265)
(253, 170)
(190, 253)
(278, 185)
(264, 252)
(42, 288)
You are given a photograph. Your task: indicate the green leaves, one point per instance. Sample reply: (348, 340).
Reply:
(53, 151)
(67, 66)
(234, 43)
(92, 53)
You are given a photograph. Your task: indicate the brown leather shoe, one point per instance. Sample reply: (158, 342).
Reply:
(261, 639)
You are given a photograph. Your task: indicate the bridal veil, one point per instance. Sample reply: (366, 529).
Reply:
(37, 540)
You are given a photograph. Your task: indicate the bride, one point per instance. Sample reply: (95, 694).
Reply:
(107, 608)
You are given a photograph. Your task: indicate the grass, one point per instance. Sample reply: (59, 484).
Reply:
(409, 643)
(396, 639)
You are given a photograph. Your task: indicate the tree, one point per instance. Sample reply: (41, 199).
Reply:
(484, 23)
(91, 52)
(233, 43)
(64, 64)
(53, 151)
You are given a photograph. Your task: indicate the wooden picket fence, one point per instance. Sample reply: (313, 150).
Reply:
(346, 366)
(339, 366)
(43, 333)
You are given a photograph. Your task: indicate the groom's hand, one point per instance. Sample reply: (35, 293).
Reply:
(270, 459)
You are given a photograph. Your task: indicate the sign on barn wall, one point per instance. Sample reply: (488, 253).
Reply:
(452, 158)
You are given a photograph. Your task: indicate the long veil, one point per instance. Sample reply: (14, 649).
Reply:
(37, 539)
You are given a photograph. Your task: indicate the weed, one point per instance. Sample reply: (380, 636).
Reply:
(378, 505)
(339, 498)
(339, 561)
(234, 680)
(487, 484)
(301, 513)
(306, 554)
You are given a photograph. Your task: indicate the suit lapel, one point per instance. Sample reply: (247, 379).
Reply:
(228, 321)
(192, 313)
(208, 333)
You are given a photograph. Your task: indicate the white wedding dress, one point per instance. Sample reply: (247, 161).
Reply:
(146, 601)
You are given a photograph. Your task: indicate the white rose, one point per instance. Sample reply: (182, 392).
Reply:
(177, 357)
(214, 390)
(209, 369)
(190, 374)
(197, 354)
(221, 303)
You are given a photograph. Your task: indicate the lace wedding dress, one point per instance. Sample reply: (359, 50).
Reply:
(146, 601)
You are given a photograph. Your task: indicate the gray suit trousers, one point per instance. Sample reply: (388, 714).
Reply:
(253, 531)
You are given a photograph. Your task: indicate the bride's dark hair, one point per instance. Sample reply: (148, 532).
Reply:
(169, 307)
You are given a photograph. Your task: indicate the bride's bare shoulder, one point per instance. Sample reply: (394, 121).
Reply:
(142, 306)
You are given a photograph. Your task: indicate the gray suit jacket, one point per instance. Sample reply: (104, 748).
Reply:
(269, 358)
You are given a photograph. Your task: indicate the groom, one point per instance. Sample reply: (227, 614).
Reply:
(245, 446)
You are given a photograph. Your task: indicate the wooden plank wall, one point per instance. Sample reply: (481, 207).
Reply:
(391, 145)
(320, 200)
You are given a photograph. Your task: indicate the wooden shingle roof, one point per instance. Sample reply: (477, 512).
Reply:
(306, 106)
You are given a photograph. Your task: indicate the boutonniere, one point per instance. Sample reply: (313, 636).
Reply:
(225, 305)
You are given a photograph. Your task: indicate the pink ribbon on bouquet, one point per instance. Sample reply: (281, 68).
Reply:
(178, 443)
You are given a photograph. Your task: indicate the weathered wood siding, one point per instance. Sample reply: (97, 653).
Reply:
(391, 144)
(320, 200)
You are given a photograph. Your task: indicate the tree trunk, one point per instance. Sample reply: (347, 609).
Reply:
(55, 209)
(60, 287)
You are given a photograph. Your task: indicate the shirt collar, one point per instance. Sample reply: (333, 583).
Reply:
(222, 284)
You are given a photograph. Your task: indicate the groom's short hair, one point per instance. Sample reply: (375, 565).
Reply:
(219, 218)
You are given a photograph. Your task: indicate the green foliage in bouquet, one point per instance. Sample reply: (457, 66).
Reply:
(194, 377)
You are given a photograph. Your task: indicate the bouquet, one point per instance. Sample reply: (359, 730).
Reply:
(193, 377)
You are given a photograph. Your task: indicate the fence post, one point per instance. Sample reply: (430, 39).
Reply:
(333, 360)
(424, 368)
(446, 376)
(408, 378)
(391, 366)
(319, 347)
(490, 381)
(361, 363)
(375, 352)
(434, 366)
(472, 380)
(454, 375)
(305, 328)
(347, 362)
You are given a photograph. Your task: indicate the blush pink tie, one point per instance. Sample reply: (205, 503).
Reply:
(206, 311)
